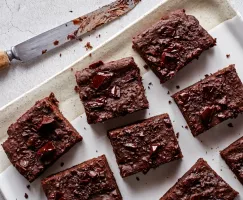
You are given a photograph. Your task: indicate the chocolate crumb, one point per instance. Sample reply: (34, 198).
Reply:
(96, 151)
(168, 92)
(60, 55)
(90, 55)
(28, 186)
(84, 128)
(99, 35)
(177, 135)
(70, 11)
(71, 69)
(146, 66)
(26, 196)
(66, 25)
(227, 55)
(56, 42)
(186, 127)
(230, 125)
(80, 39)
(88, 46)
(76, 89)
(170, 102)
(150, 83)
(177, 87)
(62, 164)
(138, 179)
(44, 51)
(148, 87)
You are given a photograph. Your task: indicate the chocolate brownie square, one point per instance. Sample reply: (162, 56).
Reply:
(39, 138)
(145, 145)
(200, 182)
(173, 42)
(90, 180)
(233, 156)
(111, 90)
(212, 100)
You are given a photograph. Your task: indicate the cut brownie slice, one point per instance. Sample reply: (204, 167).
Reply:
(145, 145)
(172, 43)
(111, 90)
(200, 182)
(39, 138)
(212, 100)
(91, 180)
(233, 156)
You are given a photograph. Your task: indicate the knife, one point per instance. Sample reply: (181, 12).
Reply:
(62, 34)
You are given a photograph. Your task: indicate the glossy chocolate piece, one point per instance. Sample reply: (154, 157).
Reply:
(212, 100)
(90, 180)
(145, 145)
(111, 90)
(200, 182)
(173, 42)
(233, 156)
(39, 138)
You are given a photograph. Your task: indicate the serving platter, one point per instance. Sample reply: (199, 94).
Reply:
(214, 15)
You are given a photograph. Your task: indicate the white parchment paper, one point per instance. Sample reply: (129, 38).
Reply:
(154, 184)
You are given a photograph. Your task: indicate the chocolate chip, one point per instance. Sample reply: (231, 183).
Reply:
(101, 79)
(207, 114)
(46, 151)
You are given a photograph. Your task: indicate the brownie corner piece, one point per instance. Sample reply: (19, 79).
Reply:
(144, 145)
(92, 179)
(39, 138)
(110, 90)
(173, 42)
(232, 155)
(212, 100)
(201, 182)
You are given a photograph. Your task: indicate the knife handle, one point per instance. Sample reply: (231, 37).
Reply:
(4, 60)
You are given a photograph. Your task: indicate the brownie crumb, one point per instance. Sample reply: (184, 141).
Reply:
(28, 186)
(70, 11)
(186, 127)
(227, 55)
(230, 125)
(177, 135)
(26, 196)
(146, 66)
(62, 164)
(150, 83)
(168, 92)
(76, 89)
(66, 25)
(71, 69)
(56, 42)
(177, 87)
(80, 39)
(170, 102)
(90, 55)
(96, 151)
(84, 128)
(88, 46)
(44, 51)
(60, 55)
(138, 179)
(148, 87)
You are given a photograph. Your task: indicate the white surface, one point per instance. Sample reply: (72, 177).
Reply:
(23, 19)
(158, 181)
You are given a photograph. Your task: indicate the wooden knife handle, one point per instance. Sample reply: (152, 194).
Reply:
(4, 60)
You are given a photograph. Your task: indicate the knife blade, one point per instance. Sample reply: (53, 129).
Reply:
(62, 34)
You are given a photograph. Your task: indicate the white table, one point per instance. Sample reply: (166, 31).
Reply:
(23, 19)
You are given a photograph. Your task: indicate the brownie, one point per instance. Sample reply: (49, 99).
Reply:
(111, 90)
(200, 182)
(233, 156)
(212, 100)
(90, 180)
(172, 43)
(145, 145)
(39, 138)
